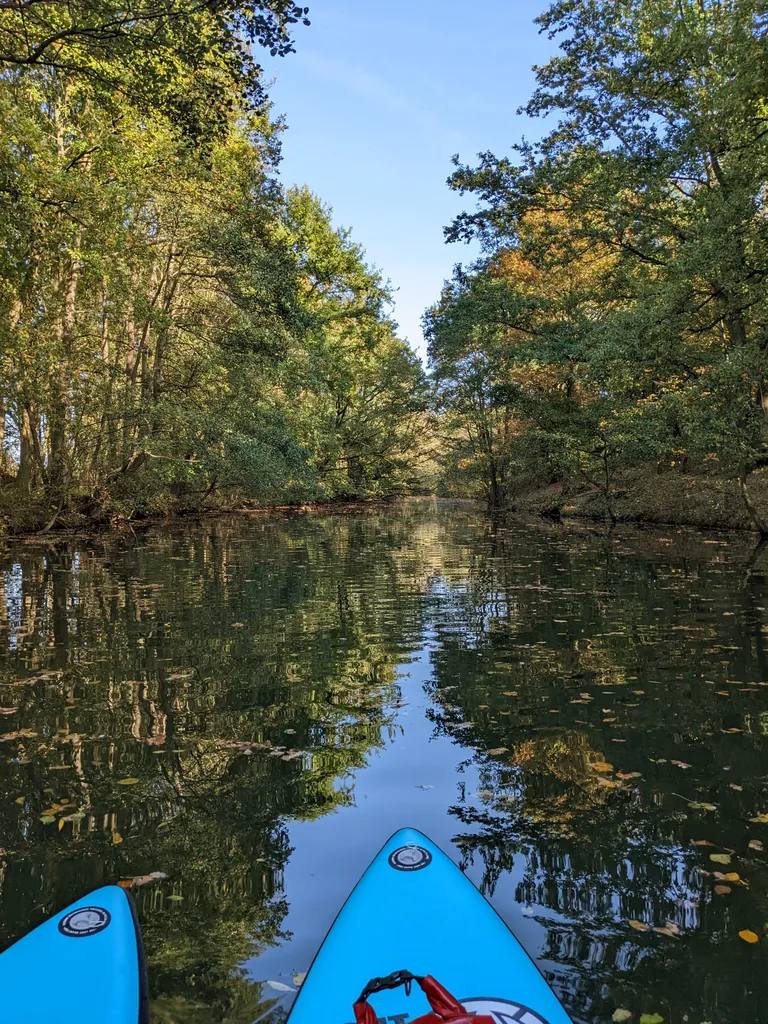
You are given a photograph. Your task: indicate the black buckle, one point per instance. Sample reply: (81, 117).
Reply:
(393, 980)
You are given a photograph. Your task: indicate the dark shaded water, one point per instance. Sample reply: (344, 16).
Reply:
(252, 706)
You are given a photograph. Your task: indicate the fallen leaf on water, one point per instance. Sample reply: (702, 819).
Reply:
(116, 838)
(720, 858)
(702, 842)
(621, 1015)
(20, 800)
(730, 876)
(127, 782)
(748, 936)
(739, 789)
(237, 625)
(608, 783)
(61, 824)
(601, 766)
(8, 711)
(176, 899)
(639, 926)
(298, 978)
(754, 844)
(17, 735)
(761, 818)
(666, 931)
(153, 876)
(498, 750)
(672, 927)
(47, 819)
(609, 719)
(721, 890)
(651, 1018)
(680, 764)
(697, 805)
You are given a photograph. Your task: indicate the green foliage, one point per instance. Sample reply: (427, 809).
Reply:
(175, 329)
(190, 61)
(631, 243)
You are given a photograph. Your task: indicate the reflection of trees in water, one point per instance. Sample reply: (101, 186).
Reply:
(571, 667)
(179, 698)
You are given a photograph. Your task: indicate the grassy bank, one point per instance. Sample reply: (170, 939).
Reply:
(708, 502)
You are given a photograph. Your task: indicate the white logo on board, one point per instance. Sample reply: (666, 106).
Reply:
(503, 1011)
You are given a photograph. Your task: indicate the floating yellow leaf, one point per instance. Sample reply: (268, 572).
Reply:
(720, 858)
(639, 926)
(761, 818)
(601, 766)
(116, 838)
(127, 782)
(748, 936)
(621, 1015)
(721, 890)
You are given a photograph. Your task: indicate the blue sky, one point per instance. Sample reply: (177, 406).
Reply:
(378, 96)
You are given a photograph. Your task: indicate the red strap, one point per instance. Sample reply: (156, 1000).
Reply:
(365, 1014)
(446, 1009)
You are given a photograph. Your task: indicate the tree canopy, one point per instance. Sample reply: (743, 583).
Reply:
(628, 247)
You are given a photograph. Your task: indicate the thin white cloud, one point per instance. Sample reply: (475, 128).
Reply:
(367, 86)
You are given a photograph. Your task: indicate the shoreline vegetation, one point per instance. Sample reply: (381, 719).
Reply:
(712, 505)
(181, 331)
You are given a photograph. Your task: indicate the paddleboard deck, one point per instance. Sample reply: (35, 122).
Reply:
(414, 910)
(85, 965)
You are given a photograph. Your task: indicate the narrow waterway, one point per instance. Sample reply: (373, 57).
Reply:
(233, 716)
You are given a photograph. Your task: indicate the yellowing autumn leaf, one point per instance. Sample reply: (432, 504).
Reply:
(748, 936)
(127, 782)
(639, 926)
(601, 766)
(116, 838)
(761, 818)
(720, 858)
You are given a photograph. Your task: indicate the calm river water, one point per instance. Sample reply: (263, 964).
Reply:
(249, 707)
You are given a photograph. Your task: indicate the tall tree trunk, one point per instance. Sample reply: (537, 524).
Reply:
(25, 477)
(60, 399)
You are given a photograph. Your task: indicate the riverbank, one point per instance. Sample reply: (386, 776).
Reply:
(69, 525)
(676, 499)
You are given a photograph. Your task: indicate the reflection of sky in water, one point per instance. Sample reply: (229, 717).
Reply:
(431, 673)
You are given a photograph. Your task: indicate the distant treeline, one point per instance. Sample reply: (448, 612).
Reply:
(177, 329)
(617, 325)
